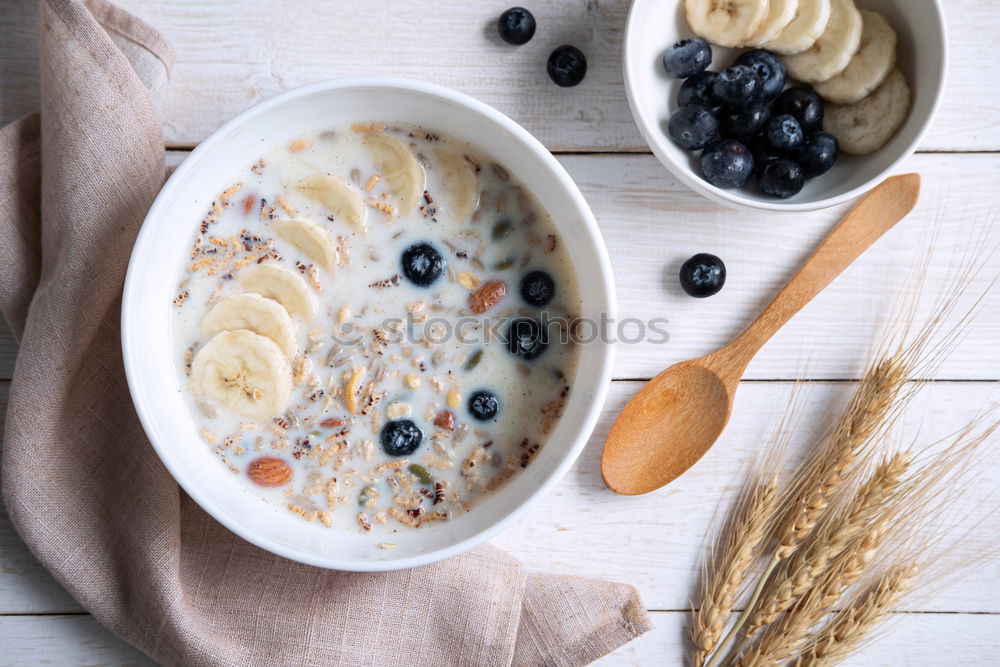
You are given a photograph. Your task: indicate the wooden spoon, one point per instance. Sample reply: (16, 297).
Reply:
(680, 413)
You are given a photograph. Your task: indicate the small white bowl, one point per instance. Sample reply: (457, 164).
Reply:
(655, 25)
(166, 236)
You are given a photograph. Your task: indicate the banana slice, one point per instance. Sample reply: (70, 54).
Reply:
(399, 167)
(725, 22)
(333, 193)
(870, 124)
(807, 26)
(780, 13)
(460, 184)
(833, 51)
(283, 285)
(308, 237)
(870, 65)
(256, 313)
(244, 372)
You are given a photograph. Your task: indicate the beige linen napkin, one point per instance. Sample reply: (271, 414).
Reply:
(85, 489)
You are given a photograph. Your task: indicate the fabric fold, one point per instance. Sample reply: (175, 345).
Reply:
(85, 489)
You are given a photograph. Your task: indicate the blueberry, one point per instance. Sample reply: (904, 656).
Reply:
(804, 104)
(567, 66)
(687, 57)
(526, 339)
(422, 264)
(736, 86)
(537, 288)
(484, 405)
(770, 71)
(818, 154)
(401, 437)
(762, 154)
(692, 127)
(698, 90)
(781, 178)
(743, 123)
(703, 275)
(516, 26)
(783, 133)
(727, 164)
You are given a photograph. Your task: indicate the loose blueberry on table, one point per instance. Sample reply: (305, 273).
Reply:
(567, 66)
(703, 275)
(516, 26)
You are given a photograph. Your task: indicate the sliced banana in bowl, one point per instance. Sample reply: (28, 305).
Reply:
(461, 186)
(780, 14)
(314, 241)
(281, 284)
(252, 312)
(244, 372)
(866, 126)
(400, 169)
(833, 51)
(344, 201)
(726, 22)
(873, 62)
(800, 35)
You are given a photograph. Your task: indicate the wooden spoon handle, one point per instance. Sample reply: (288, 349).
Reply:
(872, 217)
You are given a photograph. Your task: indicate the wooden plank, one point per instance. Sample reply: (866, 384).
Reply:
(65, 640)
(910, 640)
(652, 541)
(232, 54)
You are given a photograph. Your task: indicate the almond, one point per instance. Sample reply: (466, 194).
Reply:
(269, 471)
(332, 422)
(445, 419)
(490, 294)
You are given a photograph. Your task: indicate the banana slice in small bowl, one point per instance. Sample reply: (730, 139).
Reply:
(312, 240)
(281, 284)
(343, 200)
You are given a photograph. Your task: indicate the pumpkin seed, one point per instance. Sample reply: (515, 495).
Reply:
(502, 229)
(506, 264)
(420, 473)
(474, 360)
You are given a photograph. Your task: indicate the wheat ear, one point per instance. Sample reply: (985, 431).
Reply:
(809, 563)
(744, 541)
(848, 628)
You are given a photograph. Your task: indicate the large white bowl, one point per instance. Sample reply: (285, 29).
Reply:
(166, 237)
(655, 25)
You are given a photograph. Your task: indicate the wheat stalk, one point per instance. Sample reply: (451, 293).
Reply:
(848, 628)
(745, 540)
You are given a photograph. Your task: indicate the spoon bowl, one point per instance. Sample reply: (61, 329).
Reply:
(666, 428)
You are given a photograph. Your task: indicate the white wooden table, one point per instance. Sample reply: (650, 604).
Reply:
(233, 53)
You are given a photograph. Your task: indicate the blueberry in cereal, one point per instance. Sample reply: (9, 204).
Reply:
(401, 437)
(422, 264)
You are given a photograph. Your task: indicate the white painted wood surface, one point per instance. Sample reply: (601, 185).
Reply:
(232, 54)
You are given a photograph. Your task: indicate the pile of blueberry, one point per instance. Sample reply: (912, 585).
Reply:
(745, 122)
(566, 65)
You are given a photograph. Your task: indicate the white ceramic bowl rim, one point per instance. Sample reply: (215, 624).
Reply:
(132, 338)
(733, 197)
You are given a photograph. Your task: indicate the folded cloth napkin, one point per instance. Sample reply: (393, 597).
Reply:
(85, 489)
